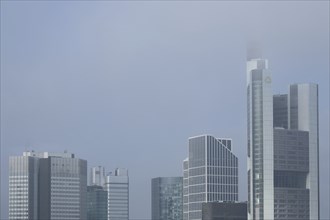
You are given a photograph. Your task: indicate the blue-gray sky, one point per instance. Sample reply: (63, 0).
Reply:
(124, 84)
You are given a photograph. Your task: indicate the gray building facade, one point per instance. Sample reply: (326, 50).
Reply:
(97, 176)
(260, 140)
(166, 198)
(117, 185)
(97, 203)
(210, 174)
(59, 185)
(23, 187)
(280, 111)
(224, 211)
(291, 168)
(303, 115)
(296, 166)
(283, 164)
(64, 183)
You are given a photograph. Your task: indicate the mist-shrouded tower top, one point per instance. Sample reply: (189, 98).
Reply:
(255, 62)
(260, 137)
(253, 50)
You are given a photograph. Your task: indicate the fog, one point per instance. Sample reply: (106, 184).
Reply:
(125, 84)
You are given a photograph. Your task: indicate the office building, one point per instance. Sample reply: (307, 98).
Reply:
(117, 185)
(185, 191)
(166, 198)
(51, 186)
(97, 176)
(63, 184)
(260, 140)
(97, 203)
(23, 187)
(283, 172)
(280, 111)
(224, 211)
(291, 167)
(210, 174)
(304, 115)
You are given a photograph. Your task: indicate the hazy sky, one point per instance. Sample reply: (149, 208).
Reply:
(124, 84)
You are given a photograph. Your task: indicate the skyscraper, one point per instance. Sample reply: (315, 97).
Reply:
(97, 176)
(210, 174)
(224, 211)
(51, 185)
(97, 203)
(291, 167)
(23, 187)
(260, 140)
(166, 198)
(304, 115)
(282, 148)
(280, 111)
(117, 185)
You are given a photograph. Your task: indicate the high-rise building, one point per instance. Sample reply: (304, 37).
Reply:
(97, 203)
(291, 167)
(53, 186)
(260, 140)
(23, 187)
(224, 211)
(280, 111)
(283, 172)
(304, 115)
(97, 176)
(210, 174)
(185, 191)
(117, 185)
(166, 198)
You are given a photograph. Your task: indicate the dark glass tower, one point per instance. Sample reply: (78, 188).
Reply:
(166, 198)
(97, 203)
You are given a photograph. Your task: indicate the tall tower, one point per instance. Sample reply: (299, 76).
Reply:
(117, 185)
(97, 203)
(303, 115)
(185, 193)
(166, 198)
(260, 139)
(283, 145)
(212, 173)
(23, 187)
(63, 187)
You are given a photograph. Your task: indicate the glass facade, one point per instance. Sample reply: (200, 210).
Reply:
(224, 211)
(210, 174)
(303, 115)
(185, 188)
(291, 168)
(166, 198)
(260, 140)
(97, 203)
(280, 111)
(283, 161)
